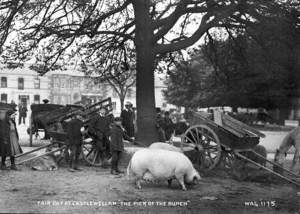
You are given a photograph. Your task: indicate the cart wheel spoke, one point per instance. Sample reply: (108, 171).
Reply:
(206, 137)
(88, 154)
(189, 139)
(96, 155)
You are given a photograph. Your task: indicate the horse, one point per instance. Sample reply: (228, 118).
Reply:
(291, 139)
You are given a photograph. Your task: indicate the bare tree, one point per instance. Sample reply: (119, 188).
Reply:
(155, 27)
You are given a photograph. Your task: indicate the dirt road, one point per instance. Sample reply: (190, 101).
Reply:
(95, 190)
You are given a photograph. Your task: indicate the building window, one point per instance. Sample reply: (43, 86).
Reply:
(114, 105)
(3, 98)
(63, 83)
(36, 99)
(56, 83)
(129, 93)
(76, 83)
(21, 83)
(3, 82)
(37, 83)
(76, 97)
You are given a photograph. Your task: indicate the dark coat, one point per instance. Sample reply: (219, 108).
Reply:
(5, 142)
(168, 127)
(73, 132)
(127, 121)
(99, 126)
(23, 111)
(117, 135)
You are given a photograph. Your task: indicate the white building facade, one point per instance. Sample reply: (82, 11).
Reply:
(22, 85)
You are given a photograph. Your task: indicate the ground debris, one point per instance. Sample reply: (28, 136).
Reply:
(49, 193)
(13, 190)
(211, 198)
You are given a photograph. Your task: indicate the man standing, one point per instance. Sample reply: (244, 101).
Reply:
(127, 116)
(99, 129)
(22, 113)
(168, 126)
(74, 140)
(117, 144)
(160, 124)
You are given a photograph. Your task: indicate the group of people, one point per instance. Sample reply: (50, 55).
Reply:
(107, 134)
(168, 123)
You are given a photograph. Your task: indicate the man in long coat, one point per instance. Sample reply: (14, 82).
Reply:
(99, 129)
(127, 116)
(117, 144)
(9, 139)
(22, 113)
(74, 140)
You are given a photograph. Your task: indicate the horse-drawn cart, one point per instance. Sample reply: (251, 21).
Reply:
(53, 118)
(221, 139)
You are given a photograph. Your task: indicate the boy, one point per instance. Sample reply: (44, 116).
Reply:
(117, 144)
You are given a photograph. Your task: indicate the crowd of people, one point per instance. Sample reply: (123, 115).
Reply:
(169, 123)
(107, 134)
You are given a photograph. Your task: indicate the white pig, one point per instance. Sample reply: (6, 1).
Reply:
(158, 164)
(165, 146)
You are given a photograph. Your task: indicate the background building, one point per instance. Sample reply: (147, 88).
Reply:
(23, 85)
(64, 87)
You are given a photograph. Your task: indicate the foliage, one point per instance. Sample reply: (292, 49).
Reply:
(256, 66)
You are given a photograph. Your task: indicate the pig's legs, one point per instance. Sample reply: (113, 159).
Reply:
(138, 183)
(169, 183)
(181, 182)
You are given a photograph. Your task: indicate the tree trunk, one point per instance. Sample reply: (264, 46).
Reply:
(145, 98)
(122, 98)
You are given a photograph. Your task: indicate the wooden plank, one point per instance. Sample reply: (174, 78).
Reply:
(233, 131)
(218, 117)
(267, 169)
(239, 129)
(242, 125)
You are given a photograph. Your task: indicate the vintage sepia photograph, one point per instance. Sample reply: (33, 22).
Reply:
(150, 106)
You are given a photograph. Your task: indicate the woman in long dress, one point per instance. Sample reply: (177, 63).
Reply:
(9, 139)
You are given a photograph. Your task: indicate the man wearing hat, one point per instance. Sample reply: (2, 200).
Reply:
(9, 139)
(99, 129)
(74, 140)
(45, 101)
(127, 116)
(117, 144)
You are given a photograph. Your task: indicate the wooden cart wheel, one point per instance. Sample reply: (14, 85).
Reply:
(90, 153)
(208, 143)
